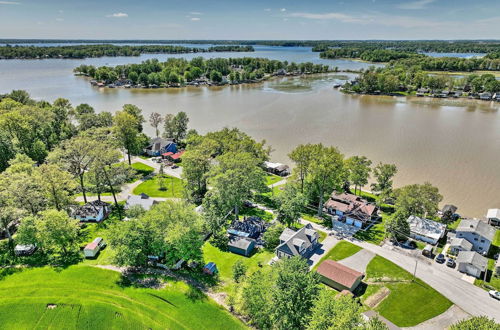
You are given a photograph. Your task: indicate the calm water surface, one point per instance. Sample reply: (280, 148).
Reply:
(453, 144)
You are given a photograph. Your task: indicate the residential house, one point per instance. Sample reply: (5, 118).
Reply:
(297, 243)
(459, 244)
(142, 200)
(251, 227)
(173, 156)
(477, 232)
(493, 217)
(92, 249)
(277, 168)
(158, 146)
(471, 263)
(92, 211)
(426, 230)
(241, 246)
(338, 276)
(352, 209)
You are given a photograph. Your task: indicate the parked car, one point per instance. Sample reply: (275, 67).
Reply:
(440, 259)
(174, 167)
(451, 263)
(409, 244)
(494, 294)
(428, 251)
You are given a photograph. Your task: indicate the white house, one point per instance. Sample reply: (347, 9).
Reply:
(426, 230)
(477, 232)
(142, 200)
(493, 217)
(92, 211)
(459, 244)
(92, 249)
(471, 263)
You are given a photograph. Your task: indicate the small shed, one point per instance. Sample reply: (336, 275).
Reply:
(92, 249)
(241, 246)
(471, 263)
(210, 268)
(24, 250)
(338, 276)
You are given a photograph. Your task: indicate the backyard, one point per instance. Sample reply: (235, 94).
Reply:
(173, 187)
(341, 250)
(87, 297)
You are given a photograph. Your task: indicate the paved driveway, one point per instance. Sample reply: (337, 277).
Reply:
(359, 260)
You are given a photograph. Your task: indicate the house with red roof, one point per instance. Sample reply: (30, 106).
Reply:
(351, 209)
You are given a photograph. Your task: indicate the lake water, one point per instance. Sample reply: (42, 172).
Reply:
(453, 144)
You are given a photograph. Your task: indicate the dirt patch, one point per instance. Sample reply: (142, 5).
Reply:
(51, 306)
(377, 297)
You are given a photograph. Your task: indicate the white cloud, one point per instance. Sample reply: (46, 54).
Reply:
(118, 15)
(419, 4)
(325, 16)
(196, 13)
(283, 9)
(9, 3)
(195, 19)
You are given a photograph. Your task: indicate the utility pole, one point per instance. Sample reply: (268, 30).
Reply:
(415, 271)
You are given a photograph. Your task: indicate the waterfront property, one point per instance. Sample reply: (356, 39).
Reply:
(297, 243)
(158, 146)
(471, 263)
(277, 168)
(493, 217)
(426, 230)
(338, 276)
(351, 209)
(459, 244)
(479, 233)
(95, 211)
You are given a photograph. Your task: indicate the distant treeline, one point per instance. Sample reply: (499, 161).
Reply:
(100, 50)
(179, 70)
(371, 55)
(440, 46)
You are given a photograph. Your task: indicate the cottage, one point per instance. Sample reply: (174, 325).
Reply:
(297, 243)
(24, 250)
(241, 246)
(251, 227)
(158, 146)
(338, 276)
(493, 217)
(277, 168)
(460, 244)
(471, 263)
(477, 232)
(426, 230)
(352, 209)
(92, 249)
(142, 200)
(92, 211)
(210, 268)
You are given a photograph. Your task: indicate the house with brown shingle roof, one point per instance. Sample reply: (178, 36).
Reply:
(351, 209)
(338, 276)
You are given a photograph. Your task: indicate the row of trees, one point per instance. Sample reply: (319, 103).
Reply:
(371, 55)
(92, 50)
(178, 71)
(394, 79)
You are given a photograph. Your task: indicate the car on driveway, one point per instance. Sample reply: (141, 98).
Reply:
(409, 244)
(451, 263)
(494, 294)
(440, 259)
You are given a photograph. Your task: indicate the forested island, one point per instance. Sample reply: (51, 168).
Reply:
(177, 72)
(101, 50)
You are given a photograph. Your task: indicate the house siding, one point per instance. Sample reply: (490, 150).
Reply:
(338, 286)
(469, 269)
(479, 243)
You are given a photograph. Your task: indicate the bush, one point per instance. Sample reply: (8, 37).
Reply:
(239, 271)
(272, 236)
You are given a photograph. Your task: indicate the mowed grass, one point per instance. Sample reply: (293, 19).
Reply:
(174, 187)
(341, 250)
(93, 298)
(409, 302)
(142, 168)
(272, 179)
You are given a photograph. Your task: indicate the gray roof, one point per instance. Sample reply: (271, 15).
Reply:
(473, 258)
(143, 200)
(91, 209)
(426, 227)
(241, 243)
(477, 226)
(461, 242)
(158, 143)
(293, 240)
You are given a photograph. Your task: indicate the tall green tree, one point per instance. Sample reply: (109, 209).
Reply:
(291, 203)
(155, 120)
(302, 156)
(476, 323)
(421, 200)
(333, 312)
(176, 126)
(383, 173)
(126, 131)
(359, 171)
(135, 112)
(195, 168)
(57, 184)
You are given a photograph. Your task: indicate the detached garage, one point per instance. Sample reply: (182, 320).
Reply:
(471, 263)
(338, 276)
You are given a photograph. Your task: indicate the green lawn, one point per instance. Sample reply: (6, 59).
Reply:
(409, 302)
(496, 241)
(255, 212)
(91, 298)
(142, 168)
(151, 187)
(271, 179)
(341, 250)
(374, 234)
(491, 280)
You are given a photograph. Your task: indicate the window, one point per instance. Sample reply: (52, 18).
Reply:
(475, 239)
(480, 248)
(482, 241)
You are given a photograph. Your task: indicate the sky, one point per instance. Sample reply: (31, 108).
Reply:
(250, 19)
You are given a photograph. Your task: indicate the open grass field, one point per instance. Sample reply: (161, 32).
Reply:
(255, 212)
(84, 297)
(409, 302)
(151, 187)
(271, 179)
(341, 250)
(142, 168)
